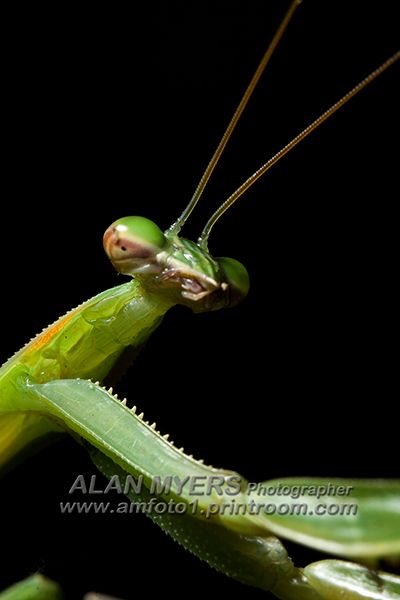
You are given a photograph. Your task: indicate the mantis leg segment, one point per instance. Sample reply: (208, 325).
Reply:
(256, 560)
(35, 587)
(348, 581)
(352, 518)
(241, 545)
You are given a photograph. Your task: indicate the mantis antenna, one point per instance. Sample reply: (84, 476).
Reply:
(177, 226)
(203, 239)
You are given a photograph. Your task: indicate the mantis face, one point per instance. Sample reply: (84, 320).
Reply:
(173, 266)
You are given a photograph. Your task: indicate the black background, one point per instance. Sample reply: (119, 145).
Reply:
(109, 113)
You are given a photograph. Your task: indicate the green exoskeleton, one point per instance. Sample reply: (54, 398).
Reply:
(54, 384)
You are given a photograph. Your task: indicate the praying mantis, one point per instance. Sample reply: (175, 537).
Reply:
(223, 392)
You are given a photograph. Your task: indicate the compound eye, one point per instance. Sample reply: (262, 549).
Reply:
(132, 244)
(236, 276)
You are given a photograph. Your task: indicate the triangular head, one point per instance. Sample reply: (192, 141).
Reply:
(175, 267)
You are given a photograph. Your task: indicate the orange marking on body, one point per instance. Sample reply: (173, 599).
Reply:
(50, 332)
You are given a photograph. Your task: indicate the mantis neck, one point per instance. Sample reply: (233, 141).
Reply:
(87, 341)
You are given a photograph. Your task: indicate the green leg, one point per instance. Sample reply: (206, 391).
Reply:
(35, 587)
(341, 580)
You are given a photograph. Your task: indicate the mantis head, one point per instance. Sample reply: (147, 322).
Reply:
(175, 267)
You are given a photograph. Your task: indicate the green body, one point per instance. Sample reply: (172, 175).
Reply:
(85, 343)
(49, 387)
